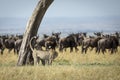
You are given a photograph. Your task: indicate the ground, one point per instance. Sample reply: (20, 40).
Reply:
(67, 66)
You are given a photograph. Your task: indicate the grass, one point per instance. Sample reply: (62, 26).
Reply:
(67, 66)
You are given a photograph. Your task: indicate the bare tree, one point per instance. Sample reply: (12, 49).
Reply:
(25, 54)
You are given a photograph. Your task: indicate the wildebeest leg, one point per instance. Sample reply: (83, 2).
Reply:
(76, 49)
(86, 48)
(9, 50)
(103, 50)
(96, 49)
(64, 49)
(115, 50)
(43, 62)
(2, 51)
(111, 50)
(61, 48)
(17, 51)
(82, 49)
(14, 51)
(71, 49)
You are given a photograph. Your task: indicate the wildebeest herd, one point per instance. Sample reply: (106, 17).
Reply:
(100, 41)
(10, 42)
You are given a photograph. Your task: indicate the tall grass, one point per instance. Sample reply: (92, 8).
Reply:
(67, 66)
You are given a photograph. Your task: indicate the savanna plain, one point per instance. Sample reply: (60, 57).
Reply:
(67, 66)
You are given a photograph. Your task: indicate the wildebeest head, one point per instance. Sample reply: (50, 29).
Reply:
(57, 35)
(45, 36)
(98, 33)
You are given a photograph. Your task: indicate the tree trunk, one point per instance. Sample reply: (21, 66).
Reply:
(25, 56)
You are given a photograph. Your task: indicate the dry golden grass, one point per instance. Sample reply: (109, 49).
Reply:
(67, 66)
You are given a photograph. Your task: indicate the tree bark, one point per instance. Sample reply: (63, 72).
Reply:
(33, 24)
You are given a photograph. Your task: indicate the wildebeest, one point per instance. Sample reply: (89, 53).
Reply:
(9, 44)
(17, 45)
(2, 41)
(43, 56)
(90, 42)
(9, 41)
(69, 41)
(13, 42)
(110, 43)
(2, 47)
